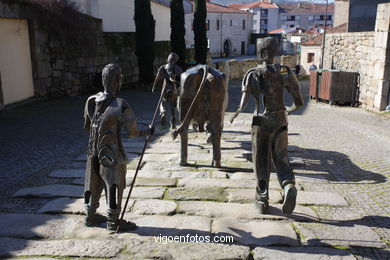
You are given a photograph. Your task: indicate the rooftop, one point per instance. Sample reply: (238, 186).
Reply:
(317, 40)
(259, 4)
(215, 8)
(300, 8)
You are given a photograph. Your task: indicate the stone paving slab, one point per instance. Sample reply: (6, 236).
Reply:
(149, 173)
(301, 253)
(207, 193)
(68, 173)
(79, 181)
(160, 157)
(145, 192)
(319, 234)
(55, 190)
(153, 207)
(224, 183)
(219, 174)
(153, 182)
(191, 175)
(72, 206)
(38, 225)
(256, 233)
(172, 225)
(150, 249)
(321, 198)
(248, 195)
(60, 248)
(244, 211)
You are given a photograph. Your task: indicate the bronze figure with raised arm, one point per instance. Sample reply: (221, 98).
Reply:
(269, 129)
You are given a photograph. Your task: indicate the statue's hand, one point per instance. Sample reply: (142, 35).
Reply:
(106, 161)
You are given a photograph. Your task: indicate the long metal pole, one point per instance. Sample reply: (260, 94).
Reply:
(323, 37)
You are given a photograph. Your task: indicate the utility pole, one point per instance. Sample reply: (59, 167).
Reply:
(323, 37)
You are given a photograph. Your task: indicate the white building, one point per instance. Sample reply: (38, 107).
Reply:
(265, 15)
(118, 15)
(228, 30)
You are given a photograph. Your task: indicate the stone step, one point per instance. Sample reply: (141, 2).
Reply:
(206, 193)
(242, 211)
(256, 233)
(55, 190)
(13, 247)
(301, 253)
(152, 182)
(350, 234)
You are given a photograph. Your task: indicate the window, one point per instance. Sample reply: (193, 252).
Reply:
(284, 17)
(231, 23)
(297, 18)
(254, 21)
(292, 25)
(208, 25)
(263, 31)
(320, 18)
(264, 21)
(264, 11)
(329, 17)
(291, 18)
(310, 57)
(243, 24)
(217, 25)
(311, 18)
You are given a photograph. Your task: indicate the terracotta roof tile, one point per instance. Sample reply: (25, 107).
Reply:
(317, 40)
(214, 8)
(305, 8)
(254, 5)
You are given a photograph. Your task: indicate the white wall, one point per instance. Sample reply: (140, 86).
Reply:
(15, 61)
(305, 50)
(162, 15)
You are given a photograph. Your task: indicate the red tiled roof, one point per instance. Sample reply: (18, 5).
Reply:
(305, 8)
(214, 8)
(276, 31)
(254, 5)
(317, 40)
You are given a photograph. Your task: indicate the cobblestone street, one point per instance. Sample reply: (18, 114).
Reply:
(340, 156)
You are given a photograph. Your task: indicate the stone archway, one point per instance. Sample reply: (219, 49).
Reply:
(227, 48)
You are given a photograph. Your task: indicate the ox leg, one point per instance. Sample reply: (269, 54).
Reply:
(184, 147)
(216, 141)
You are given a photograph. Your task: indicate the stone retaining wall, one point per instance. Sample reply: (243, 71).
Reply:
(61, 68)
(367, 53)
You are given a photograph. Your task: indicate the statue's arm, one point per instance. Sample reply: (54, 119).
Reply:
(246, 86)
(88, 113)
(292, 85)
(159, 80)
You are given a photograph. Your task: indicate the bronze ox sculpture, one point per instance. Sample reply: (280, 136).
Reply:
(203, 92)
(269, 129)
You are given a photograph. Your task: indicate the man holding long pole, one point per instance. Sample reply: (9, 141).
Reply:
(105, 114)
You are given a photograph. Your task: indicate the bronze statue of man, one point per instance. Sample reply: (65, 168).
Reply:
(169, 75)
(269, 129)
(105, 114)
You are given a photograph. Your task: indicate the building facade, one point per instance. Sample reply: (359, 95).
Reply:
(265, 15)
(305, 15)
(228, 30)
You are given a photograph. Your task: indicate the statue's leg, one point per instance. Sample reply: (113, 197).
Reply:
(284, 170)
(214, 130)
(163, 111)
(173, 104)
(184, 147)
(261, 156)
(92, 191)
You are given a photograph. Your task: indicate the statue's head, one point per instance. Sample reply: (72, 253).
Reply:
(112, 78)
(172, 58)
(267, 49)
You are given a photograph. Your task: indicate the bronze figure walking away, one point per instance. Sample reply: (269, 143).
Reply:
(168, 75)
(269, 129)
(105, 114)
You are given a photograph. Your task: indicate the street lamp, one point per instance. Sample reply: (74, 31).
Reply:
(323, 37)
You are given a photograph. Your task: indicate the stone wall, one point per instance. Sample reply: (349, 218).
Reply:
(61, 68)
(236, 69)
(367, 53)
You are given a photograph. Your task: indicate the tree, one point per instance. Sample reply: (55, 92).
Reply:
(200, 36)
(178, 30)
(144, 39)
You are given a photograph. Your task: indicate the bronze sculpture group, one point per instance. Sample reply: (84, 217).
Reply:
(201, 93)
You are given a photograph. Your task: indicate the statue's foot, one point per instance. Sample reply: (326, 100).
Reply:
(290, 196)
(122, 224)
(94, 220)
(183, 163)
(262, 206)
(216, 164)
